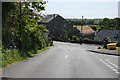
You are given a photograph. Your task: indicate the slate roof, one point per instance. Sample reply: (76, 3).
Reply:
(48, 18)
(108, 33)
(86, 29)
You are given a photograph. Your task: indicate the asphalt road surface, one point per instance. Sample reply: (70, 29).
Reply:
(65, 60)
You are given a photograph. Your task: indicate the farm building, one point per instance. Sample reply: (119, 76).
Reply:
(57, 26)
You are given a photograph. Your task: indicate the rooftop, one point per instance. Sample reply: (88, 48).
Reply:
(48, 18)
(110, 33)
(85, 29)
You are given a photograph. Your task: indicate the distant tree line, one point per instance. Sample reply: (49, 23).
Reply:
(107, 23)
(83, 22)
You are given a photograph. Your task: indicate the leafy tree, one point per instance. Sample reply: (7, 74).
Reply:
(29, 38)
(117, 23)
(6, 10)
(94, 28)
(107, 23)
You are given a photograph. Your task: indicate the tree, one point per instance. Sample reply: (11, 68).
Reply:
(12, 35)
(107, 23)
(117, 23)
(94, 28)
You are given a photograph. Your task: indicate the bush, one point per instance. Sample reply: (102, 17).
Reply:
(75, 38)
(96, 39)
(10, 56)
(85, 39)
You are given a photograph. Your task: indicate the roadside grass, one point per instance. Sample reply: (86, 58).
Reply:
(68, 42)
(117, 49)
(13, 55)
(10, 56)
(39, 51)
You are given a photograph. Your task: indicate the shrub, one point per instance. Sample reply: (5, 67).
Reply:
(10, 56)
(96, 39)
(75, 38)
(85, 39)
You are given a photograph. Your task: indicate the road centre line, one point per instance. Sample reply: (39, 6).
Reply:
(59, 47)
(113, 69)
(91, 52)
(66, 56)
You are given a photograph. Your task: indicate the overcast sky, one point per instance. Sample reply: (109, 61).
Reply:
(86, 8)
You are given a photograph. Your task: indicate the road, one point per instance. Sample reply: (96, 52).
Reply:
(65, 60)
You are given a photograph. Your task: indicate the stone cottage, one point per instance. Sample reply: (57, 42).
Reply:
(57, 26)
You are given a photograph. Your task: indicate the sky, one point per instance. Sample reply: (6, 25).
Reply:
(87, 8)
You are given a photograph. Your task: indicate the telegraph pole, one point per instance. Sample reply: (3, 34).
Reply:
(82, 26)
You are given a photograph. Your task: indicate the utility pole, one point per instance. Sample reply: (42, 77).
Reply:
(82, 26)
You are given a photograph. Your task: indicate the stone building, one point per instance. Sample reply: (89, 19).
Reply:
(57, 26)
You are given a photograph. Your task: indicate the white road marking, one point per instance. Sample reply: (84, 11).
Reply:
(118, 72)
(91, 52)
(59, 47)
(112, 64)
(66, 56)
(113, 69)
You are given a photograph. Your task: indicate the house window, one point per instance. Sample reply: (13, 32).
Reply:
(115, 36)
(64, 25)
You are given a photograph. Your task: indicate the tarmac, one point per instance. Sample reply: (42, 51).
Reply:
(108, 52)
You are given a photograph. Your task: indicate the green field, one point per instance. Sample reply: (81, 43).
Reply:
(97, 26)
(76, 25)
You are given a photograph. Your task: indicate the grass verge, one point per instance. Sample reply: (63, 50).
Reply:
(117, 49)
(12, 56)
(39, 51)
